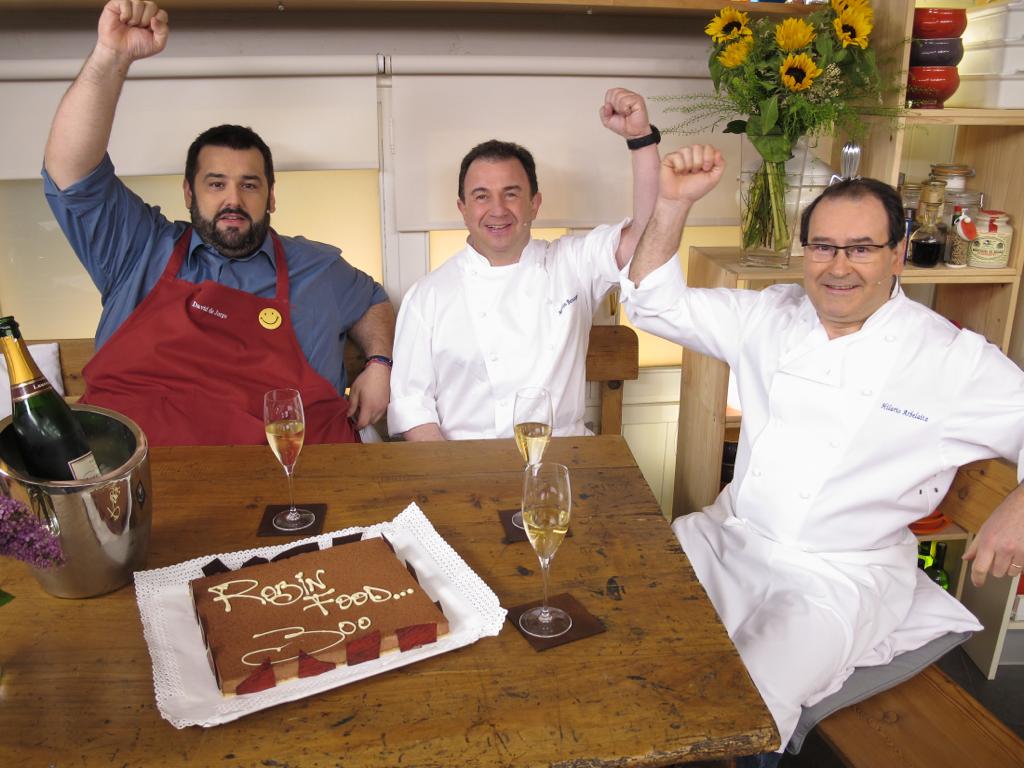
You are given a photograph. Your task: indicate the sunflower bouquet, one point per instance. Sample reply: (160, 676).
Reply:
(800, 76)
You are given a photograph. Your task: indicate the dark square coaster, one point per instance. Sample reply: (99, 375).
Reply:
(513, 533)
(267, 527)
(584, 623)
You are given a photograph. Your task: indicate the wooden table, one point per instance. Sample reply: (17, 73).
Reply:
(663, 685)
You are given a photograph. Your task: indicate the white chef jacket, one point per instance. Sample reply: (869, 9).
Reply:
(806, 555)
(469, 335)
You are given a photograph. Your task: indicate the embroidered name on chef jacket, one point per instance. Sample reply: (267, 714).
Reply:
(904, 412)
(567, 302)
(208, 310)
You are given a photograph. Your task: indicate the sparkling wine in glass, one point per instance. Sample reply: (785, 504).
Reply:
(285, 423)
(547, 506)
(531, 424)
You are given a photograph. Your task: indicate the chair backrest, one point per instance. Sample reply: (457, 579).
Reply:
(612, 356)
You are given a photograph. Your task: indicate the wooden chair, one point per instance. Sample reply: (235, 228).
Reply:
(612, 356)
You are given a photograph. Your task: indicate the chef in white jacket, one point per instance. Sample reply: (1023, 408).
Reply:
(858, 406)
(507, 311)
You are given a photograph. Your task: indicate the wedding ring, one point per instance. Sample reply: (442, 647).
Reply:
(1014, 565)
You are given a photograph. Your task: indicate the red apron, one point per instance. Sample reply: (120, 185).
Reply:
(191, 364)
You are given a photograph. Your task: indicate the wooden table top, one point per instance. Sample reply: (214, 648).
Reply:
(663, 685)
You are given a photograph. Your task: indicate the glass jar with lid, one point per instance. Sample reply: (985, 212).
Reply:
(969, 202)
(991, 249)
(954, 174)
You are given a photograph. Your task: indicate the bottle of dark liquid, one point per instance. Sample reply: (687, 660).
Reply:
(52, 442)
(929, 239)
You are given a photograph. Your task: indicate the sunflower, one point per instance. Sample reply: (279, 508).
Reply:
(798, 71)
(729, 24)
(860, 5)
(793, 34)
(735, 54)
(853, 27)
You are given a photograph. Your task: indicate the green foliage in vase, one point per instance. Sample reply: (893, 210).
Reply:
(779, 81)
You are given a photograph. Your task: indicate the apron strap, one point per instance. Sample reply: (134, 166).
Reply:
(178, 254)
(281, 265)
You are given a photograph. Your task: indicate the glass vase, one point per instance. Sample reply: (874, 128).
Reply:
(769, 209)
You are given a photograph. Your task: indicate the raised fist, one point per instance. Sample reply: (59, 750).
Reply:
(690, 173)
(133, 29)
(625, 113)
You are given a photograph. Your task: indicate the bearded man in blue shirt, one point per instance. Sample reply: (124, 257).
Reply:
(199, 321)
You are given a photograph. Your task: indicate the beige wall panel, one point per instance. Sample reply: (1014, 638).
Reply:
(584, 170)
(310, 123)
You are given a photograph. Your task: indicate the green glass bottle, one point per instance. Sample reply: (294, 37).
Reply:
(53, 444)
(936, 570)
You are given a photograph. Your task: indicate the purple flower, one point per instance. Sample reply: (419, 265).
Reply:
(24, 537)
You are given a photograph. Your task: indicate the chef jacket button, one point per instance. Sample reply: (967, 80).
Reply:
(756, 473)
(833, 443)
(502, 403)
(828, 371)
(804, 495)
(867, 392)
(890, 338)
(483, 314)
(494, 358)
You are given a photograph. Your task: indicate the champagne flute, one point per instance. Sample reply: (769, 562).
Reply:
(531, 424)
(285, 423)
(547, 505)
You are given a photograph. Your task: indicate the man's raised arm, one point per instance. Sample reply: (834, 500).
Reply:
(686, 176)
(625, 113)
(127, 30)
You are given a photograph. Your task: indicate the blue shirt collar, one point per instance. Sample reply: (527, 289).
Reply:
(199, 248)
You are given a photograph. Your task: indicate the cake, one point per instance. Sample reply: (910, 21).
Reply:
(307, 613)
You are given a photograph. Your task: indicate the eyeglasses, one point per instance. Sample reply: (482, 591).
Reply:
(858, 253)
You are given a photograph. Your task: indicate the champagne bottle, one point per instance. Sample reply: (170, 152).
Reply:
(52, 442)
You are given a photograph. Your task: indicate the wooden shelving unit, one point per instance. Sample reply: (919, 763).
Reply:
(641, 7)
(986, 301)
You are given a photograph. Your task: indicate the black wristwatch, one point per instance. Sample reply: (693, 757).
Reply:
(654, 137)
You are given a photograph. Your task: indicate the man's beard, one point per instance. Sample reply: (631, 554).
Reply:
(233, 243)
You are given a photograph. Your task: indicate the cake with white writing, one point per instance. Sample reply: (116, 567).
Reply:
(305, 615)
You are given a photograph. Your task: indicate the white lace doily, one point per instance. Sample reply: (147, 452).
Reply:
(186, 690)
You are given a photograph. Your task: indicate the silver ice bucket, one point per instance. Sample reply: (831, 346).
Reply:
(103, 522)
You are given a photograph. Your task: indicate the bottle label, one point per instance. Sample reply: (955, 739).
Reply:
(84, 467)
(27, 389)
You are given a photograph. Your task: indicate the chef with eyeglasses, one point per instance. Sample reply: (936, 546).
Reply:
(859, 405)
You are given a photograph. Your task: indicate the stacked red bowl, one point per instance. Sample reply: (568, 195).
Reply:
(935, 51)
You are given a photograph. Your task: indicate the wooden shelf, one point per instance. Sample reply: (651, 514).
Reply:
(951, 532)
(729, 260)
(638, 7)
(995, 117)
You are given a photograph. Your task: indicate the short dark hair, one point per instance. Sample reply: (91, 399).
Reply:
(233, 137)
(854, 189)
(499, 150)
